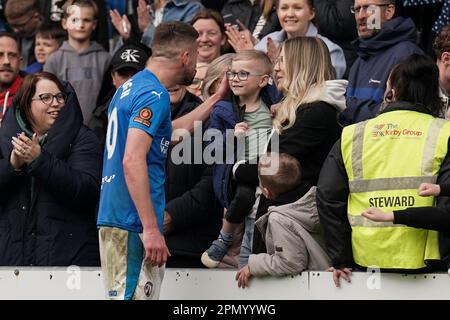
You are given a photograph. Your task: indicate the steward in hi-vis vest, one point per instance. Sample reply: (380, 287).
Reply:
(381, 163)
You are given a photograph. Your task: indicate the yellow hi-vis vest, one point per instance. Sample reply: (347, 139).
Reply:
(386, 159)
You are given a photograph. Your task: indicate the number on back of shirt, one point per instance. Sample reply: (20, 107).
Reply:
(111, 134)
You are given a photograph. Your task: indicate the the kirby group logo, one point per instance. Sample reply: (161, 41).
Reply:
(377, 130)
(393, 131)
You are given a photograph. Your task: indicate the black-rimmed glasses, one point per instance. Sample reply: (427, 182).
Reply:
(242, 75)
(357, 10)
(47, 98)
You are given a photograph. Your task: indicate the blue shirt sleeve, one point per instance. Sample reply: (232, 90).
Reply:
(149, 110)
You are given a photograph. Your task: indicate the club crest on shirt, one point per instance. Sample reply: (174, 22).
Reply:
(148, 288)
(144, 117)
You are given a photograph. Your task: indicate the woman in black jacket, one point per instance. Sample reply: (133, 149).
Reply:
(306, 122)
(50, 169)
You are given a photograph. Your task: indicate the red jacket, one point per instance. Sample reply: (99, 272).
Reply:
(8, 95)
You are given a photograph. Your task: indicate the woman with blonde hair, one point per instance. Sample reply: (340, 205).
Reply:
(214, 74)
(306, 120)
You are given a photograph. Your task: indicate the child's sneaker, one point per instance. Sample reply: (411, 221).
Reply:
(212, 257)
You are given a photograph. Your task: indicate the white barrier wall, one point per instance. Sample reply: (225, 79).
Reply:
(195, 284)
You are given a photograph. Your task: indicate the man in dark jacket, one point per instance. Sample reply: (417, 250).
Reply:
(193, 217)
(383, 42)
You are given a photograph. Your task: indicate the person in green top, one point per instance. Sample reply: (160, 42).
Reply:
(250, 117)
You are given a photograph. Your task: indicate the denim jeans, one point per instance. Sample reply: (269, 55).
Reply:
(247, 241)
(247, 238)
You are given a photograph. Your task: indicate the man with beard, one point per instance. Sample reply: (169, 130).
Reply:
(132, 248)
(383, 42)
(10, 78)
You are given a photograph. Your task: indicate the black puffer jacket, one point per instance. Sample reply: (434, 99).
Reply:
(47, 210)
(249, 15)
(196, 215)
(309, 140)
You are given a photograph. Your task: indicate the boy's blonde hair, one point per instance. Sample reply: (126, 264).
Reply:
(80, 3)
(263, 62)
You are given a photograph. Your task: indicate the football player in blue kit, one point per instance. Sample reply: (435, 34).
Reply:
(130, 219)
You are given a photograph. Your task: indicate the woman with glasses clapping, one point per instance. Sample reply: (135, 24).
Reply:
(50, 169)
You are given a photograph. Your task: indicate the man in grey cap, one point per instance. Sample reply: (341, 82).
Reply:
(128, 60)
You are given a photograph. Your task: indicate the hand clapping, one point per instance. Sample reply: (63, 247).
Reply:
(25, 150)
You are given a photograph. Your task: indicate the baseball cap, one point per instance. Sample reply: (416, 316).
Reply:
(131, 56)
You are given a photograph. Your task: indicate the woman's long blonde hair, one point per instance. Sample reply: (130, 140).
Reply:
(307, 65)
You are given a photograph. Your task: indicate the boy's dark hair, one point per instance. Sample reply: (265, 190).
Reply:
(286, 178)
(442, 42)
(172, 38)
(52, 31)
(80, 3)
(14, 37)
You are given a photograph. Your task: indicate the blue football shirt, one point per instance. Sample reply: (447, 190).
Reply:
(142, 103)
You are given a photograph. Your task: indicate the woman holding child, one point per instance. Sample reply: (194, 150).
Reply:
(306, 121)
(306, 128)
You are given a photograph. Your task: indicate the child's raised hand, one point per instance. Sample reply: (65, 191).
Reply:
(240, 129)
(429, 189)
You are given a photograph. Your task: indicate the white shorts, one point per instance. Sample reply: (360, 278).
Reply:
(125, 274)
